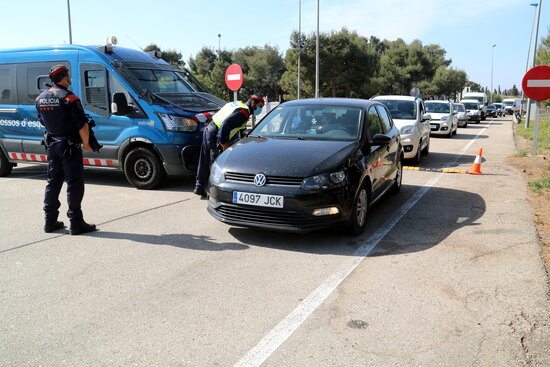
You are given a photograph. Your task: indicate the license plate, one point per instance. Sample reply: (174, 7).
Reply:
(434, 127)
(270, 201)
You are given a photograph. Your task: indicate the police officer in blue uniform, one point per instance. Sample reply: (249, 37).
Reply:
(225, 124)
(61, 113)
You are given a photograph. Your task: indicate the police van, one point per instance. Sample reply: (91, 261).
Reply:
(148, 114)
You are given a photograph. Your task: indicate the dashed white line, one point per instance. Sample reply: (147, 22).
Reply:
(282, 331)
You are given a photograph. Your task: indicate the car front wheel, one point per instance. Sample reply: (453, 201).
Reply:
(398, 178)
(358, 220)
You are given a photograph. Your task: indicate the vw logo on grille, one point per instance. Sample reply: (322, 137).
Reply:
(259, 179)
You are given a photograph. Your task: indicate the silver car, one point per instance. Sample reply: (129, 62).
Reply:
(409, 115)
(461, 114)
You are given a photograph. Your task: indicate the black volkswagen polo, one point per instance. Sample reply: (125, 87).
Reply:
(309, 164)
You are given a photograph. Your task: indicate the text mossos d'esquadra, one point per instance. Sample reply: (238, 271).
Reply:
(21, 123)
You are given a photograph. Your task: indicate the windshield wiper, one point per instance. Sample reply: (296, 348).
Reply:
(290, 137)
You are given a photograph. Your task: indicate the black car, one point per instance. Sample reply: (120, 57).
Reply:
(492, 110)
(309, 164)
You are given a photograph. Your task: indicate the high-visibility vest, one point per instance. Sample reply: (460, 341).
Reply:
(227, 110)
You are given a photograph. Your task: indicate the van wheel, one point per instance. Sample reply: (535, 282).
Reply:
(5, 165)
(358, 220)
(143, 169)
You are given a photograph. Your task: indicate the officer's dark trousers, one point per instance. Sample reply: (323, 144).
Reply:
(208, 154)
(61, 169)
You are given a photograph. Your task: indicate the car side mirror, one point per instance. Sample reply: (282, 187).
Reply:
(426, 117)
(380, 139)
(119, 107)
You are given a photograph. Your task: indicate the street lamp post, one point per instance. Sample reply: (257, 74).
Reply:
(317, 56)
(299, 43)
(528, 116)
(69, 16)
(491, 91)
(219, 43)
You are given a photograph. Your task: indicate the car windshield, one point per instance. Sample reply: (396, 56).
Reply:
(312, 122)
(459, 108)
(491, 107)
(471, 106)
(402, 110)
(435, 107)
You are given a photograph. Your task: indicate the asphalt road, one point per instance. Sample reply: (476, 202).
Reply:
(448, 273)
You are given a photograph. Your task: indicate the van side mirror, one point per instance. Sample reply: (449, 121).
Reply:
(119, 106)
(380, 139)
(426, 117)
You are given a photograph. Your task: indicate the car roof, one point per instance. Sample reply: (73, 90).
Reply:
(396, 98)
(436, 101)
(344, 102)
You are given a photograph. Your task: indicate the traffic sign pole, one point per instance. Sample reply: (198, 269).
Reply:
(536, 132)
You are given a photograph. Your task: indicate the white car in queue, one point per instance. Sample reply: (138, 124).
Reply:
(444, 119)
(409, 116)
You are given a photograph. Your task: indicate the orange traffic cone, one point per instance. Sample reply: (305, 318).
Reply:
(476, 166)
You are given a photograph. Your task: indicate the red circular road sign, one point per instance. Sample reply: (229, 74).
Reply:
(234, 77)
(536, 83)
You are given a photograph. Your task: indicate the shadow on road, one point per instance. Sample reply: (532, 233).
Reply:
(438, 214)
(105, 177)
(441, 160)
(182, 240)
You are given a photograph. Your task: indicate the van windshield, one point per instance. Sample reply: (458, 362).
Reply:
(480, 99)
(471, 106)
(508, 103)
(162, 81)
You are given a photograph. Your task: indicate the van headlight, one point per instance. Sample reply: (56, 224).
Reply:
(324, 181)
(178, 123)
(216, 174)
(407, 130)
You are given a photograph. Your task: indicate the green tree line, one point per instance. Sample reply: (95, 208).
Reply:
(350, 66)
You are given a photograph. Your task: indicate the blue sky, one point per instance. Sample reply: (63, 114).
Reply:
(465, 28)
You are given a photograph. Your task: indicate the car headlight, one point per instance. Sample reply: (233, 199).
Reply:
(407, 130)
(324, 181)
(178, 123)
(216, 174)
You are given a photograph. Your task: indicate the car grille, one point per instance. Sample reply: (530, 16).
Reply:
(435, 127)
(270, 180)
(261, 216)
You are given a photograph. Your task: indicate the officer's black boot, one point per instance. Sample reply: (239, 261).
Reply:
(50, 227)
(82, 227)
(199, 191)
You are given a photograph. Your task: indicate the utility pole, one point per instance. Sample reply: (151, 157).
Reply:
(317, 56)
(69, 15)
(534, 64)
(299, 43)
(219, 44)
(491, 91)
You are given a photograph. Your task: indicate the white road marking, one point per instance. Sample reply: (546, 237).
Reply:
(545, 83)
(282, 331)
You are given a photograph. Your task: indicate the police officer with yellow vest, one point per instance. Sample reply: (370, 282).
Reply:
(225, 124)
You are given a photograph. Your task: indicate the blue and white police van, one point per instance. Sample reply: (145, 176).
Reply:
(148, 114)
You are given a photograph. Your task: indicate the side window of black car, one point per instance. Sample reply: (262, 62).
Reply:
(385, 118)
(374, 123)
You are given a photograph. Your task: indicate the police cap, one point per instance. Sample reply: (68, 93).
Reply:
(57, 70)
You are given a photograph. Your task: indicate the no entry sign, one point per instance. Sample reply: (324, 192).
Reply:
(234, 77)
(536, 83)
